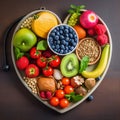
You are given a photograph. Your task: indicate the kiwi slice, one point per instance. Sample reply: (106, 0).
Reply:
(69, 65)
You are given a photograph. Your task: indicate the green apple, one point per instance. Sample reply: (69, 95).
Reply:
(24, 39)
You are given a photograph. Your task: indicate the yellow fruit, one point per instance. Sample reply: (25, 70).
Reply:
(101, 65)
(43, 23)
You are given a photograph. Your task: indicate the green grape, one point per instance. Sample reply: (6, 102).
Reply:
(75, 12)
(73, 19)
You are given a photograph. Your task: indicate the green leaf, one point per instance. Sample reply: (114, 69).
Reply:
(72, 97)
(73, 6)
(84, 63)
(42, 45)
(18, 53)
(76, 98)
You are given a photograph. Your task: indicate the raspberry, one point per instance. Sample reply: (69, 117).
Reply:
(91, 32)
(42, 94)
(100, 29)
(47, 53)
(48, 94)
(102, 39)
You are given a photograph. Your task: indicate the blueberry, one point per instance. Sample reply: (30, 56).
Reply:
(67, 39)
(61, 32)
(98, 78)
(70, 30)
(58, 42)
(66, 27)
(71, 35)
(61, 51)
(90, 98)
(62, 47)
(66, 31)
(61, 27)
(55, 50)
(74, 44)
(52, 46)
(57, 47)
(67, 35)
(57, 33)
(66, 51)
(57, 28)
(66, 43)
(66, 48)
(62, 37)
(53, 34)
(56, 37)
(71, 48)
(63, 42)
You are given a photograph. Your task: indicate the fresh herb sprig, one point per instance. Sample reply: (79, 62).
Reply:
(72, 97)
(84, 63)
(18, 53)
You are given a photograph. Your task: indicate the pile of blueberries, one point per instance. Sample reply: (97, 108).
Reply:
(62, 39)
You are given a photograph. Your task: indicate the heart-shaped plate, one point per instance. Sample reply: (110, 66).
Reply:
(22, 76)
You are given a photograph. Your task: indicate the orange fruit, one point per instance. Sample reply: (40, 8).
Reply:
(43, 23)
(80, 31)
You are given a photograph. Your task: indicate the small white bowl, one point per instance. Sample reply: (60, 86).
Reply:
(67, 38)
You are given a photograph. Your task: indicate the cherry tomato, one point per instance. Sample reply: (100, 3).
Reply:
(68, 89)
(34, 53)
(64, 103)
(54, 101)
(59, 93)
(55, 62)
(47, 71)
(41, 62)
(65, 81)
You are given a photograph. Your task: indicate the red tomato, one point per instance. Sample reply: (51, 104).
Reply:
(32, 71)
(47, 71)
(41, 62)
(59, 93)
(65, 81)
(68, 89)
(64, 103)
(34, 53)
(55, 62)
(54, 101)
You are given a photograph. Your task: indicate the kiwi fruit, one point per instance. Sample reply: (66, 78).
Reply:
(69, 65)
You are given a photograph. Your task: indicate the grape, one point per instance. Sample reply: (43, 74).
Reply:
(73, 19)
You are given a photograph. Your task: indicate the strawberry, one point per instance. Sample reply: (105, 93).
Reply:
(32, 71)
(22, 63)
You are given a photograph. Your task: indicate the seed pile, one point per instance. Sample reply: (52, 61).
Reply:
(32, 84)
(27, 23)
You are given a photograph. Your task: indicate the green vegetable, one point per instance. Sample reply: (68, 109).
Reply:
(42, 45)
(18, 53)
(72, 97)
(75, 13)
(84, 63)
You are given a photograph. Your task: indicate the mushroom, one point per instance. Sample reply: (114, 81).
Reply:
(81, 91)
(90, 83)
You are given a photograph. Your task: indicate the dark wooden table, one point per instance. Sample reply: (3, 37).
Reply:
(16, 103)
